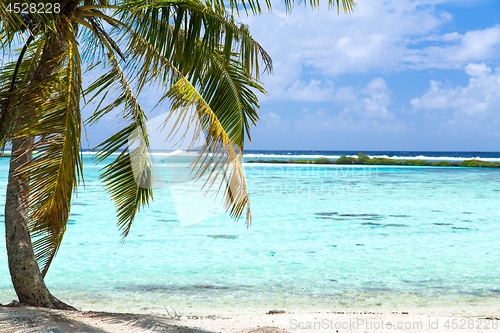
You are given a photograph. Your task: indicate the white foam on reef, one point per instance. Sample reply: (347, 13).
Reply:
(293, 156)
(437, 158)
(419, 157)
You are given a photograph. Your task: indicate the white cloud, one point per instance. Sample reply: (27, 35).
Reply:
(352, 110)
(317, 91)
(319, 120)
(370, 112)
(273, 121)
(313, 91)
(456, 49)
(471, 108)
(478, 45)
(381, 35)
(346, 43)
(477, 69)
(376, 85)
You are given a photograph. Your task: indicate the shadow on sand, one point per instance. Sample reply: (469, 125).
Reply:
(30, 319)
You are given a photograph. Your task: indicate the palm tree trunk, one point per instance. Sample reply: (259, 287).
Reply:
(24, 270)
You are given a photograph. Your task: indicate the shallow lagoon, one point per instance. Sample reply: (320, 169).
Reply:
(323, 238)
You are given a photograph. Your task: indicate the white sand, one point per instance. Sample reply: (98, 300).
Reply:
(27, 319)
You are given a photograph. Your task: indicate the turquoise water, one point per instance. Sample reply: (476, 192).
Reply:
(322, 238)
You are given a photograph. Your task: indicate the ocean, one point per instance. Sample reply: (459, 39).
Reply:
(323, 238)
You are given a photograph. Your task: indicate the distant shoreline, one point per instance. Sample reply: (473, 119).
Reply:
(363, 159)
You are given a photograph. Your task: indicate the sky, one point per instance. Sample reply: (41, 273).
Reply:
(393, 75)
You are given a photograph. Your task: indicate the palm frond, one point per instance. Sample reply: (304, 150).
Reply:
(181, 27)
(19, 18)
(52, 114)
(129, 190)
(122, 177)
(224, 99)
(224, 103)
(13, 79)
(347, 5)
(228, 91)
(254, 7)
(11, 24)
(209, 71)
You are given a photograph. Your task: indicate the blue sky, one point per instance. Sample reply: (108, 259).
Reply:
(394, 75)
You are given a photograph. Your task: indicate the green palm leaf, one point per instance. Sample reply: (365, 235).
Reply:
(181, 27)
(56, 166)
(118, 176)
(13, 80)
(224, 104)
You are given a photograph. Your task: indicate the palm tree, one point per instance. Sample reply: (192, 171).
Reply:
(192, 51)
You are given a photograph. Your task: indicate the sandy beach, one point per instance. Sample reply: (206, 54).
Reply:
(28, 319)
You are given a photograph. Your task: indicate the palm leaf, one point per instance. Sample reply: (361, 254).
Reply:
(223, 103)
(15, 26)
(13, 79)
(181, 27)
(53, 112)
(118, 176)
(226, 120)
